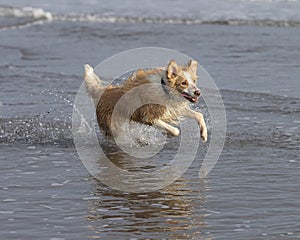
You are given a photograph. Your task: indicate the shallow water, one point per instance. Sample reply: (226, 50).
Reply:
(253, 191)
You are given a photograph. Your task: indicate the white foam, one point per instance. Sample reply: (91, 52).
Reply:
(60, 184)
(233, 17)
(26, 12)
(9, 200)
(6, 212)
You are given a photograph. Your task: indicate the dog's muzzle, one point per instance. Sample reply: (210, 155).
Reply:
(194, 98)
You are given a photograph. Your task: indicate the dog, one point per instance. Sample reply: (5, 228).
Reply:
(162, 100)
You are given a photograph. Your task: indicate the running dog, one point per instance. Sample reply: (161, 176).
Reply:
(162, 96)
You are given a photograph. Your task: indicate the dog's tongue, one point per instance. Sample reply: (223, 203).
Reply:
(190, 98)
(194, 99)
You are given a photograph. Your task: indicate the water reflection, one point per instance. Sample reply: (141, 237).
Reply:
(176, 212)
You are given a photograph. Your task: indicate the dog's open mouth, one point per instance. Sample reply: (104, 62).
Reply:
(189, 97)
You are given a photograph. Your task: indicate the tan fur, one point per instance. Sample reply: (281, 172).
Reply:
(170, 85)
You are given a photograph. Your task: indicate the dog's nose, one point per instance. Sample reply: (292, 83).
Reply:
(197, 92)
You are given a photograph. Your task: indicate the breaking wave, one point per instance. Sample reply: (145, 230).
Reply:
(14, 18)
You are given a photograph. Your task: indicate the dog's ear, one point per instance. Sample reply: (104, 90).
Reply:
(192, 66)
(172, 69)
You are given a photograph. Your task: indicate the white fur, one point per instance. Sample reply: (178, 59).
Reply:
(192, 86)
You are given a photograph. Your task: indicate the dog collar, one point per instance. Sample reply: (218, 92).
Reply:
(164, 86)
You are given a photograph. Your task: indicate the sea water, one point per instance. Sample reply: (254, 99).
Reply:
(252, 51)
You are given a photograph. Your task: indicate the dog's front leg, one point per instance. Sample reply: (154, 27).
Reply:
(161, 124)
(200, 119)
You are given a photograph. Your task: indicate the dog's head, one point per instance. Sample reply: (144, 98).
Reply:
(183, 79)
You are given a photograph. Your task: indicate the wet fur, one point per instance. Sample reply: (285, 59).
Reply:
(178, 81)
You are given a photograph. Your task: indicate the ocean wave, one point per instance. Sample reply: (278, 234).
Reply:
(15, 18)
(26, 12)
(183, 21)
(27, 16)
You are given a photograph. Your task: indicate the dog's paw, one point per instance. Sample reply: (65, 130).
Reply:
(204, 134)
(175, 132)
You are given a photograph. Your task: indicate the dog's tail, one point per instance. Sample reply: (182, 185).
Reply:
(93, 83)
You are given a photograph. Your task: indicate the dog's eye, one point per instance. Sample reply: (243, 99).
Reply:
(183, 83)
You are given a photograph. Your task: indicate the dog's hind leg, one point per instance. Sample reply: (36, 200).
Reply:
(161, 124)
(92, 83)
